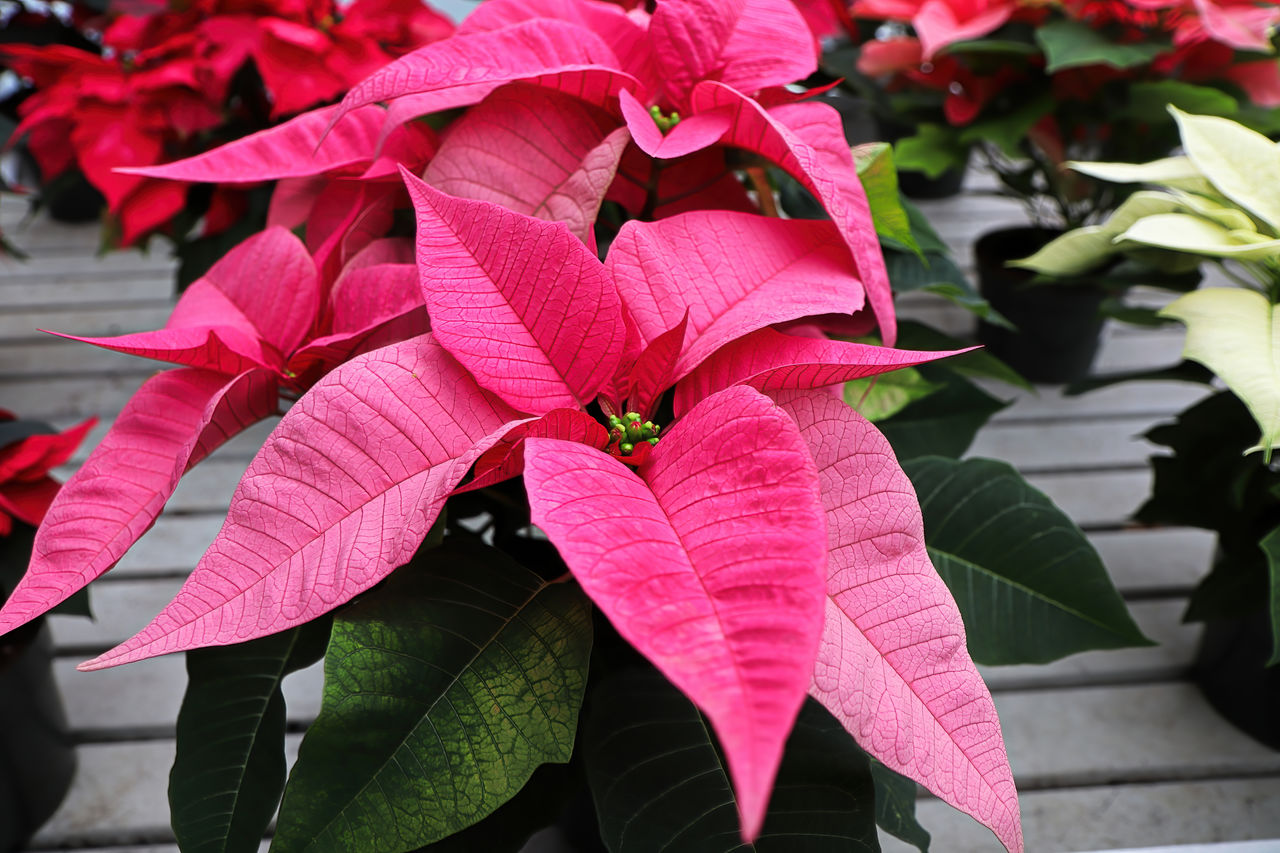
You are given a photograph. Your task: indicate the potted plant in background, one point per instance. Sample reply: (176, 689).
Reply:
(1034, 85)
(1214, 205)
(37, 755)
(171, 82)
(529, 542)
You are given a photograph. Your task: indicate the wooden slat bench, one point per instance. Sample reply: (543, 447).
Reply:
(1110, 749)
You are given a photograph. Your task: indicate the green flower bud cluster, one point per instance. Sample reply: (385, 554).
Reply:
(664, 123)
(628, 431)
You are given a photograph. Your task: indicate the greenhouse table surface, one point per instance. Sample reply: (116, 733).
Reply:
(1111, 750)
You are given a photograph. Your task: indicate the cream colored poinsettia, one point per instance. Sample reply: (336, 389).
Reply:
(1219, 201)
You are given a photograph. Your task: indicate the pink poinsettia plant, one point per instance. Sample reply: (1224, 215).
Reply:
(558, 415)
(1037, 84)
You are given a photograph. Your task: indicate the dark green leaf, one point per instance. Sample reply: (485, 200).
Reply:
(1029, 585)
(1149, 101)
(1070, 44)
(923, 231)
(896, 806)
(660, 783)
(1136, 315)
(445, 688)
(797, 201)
(909, 272)
(1008, 132)
(535, 807)
(1270, 546)
(943, 423)
(967, 298)
(932, 150)
(1209, 481)
(1236, 587)
(230, 766)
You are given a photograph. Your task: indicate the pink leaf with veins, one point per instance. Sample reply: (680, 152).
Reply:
(623, 33)
(807, 140)
(746, 44)
(525, 307)
(770, 361)
(535, 151)
(174, 420)
(372, 306)
(463, 66)
(221, 349)
(343, 492)
(293, 200)
(689, 38)
(695, 263)
(271, 278)
(692, 133)
(710, 562)
(893, 667)
(654, 370)
(505, 459)
(289, 150)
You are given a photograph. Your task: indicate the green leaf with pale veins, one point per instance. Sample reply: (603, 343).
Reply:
(880, 182)
(445, 688)
(879, 397)
(1029, 585)
(660, 782)
(1270, 546)
(230, 764)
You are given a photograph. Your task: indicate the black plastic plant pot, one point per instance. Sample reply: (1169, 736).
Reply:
(1230, 668)
(37, 755)
(1059, 325)
(918, 185)
(72, 199)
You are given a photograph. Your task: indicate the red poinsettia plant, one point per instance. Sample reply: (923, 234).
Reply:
(29, 451)
(560, 490)
(172, 82)
(1036, 84)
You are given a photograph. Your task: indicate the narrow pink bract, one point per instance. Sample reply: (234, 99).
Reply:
(710, 561)
(342, 493)
(893, 666)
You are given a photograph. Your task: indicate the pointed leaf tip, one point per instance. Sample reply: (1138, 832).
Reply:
(710, 561)
(886, 656)
(423, 421)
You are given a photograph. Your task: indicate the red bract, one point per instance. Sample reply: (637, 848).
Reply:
(163, 87)
(939, 23)
(26, 489)
(258, 321)
(703, 541)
